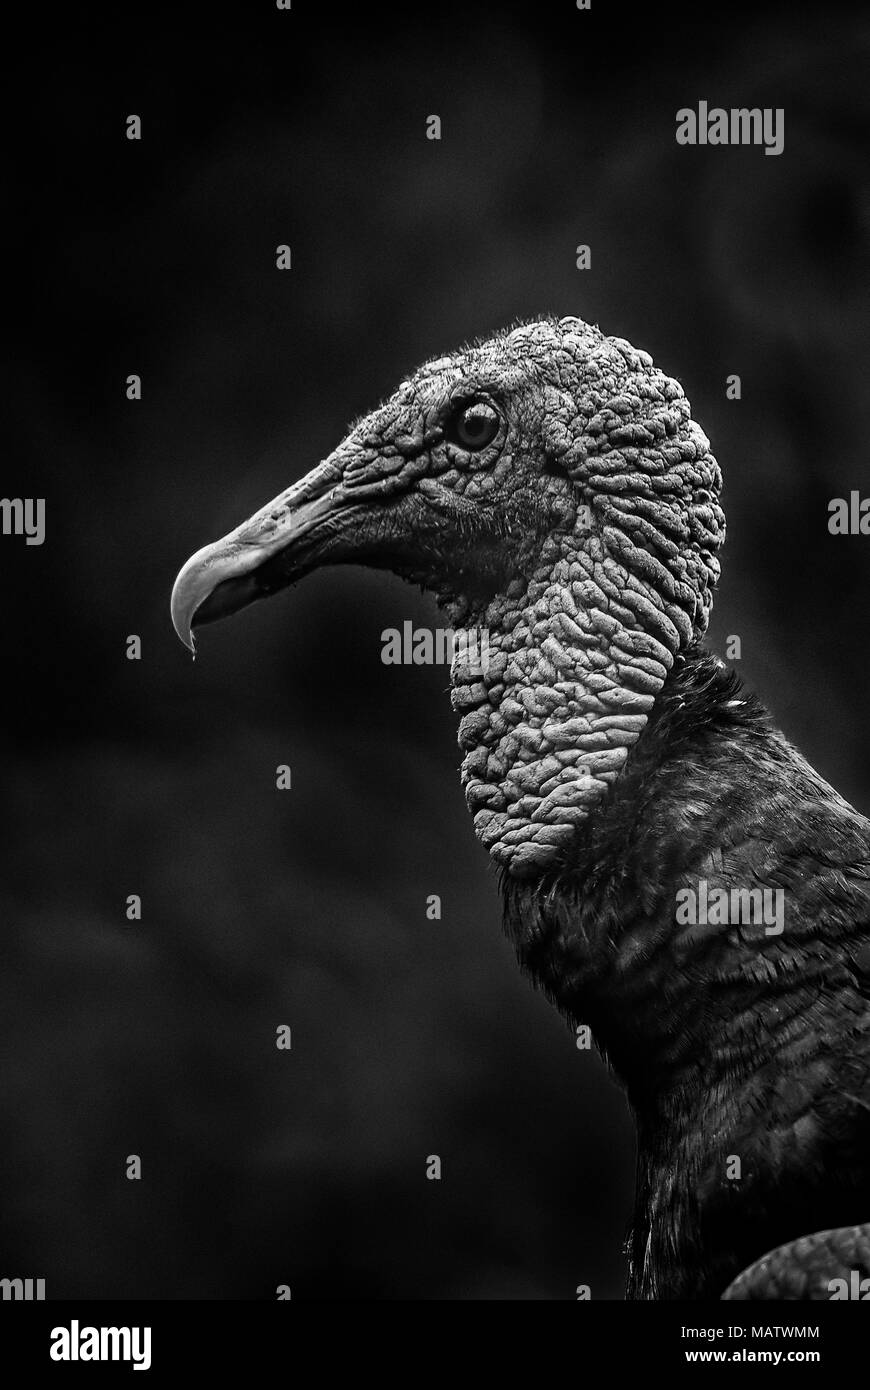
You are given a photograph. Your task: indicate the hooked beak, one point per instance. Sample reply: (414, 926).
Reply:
(264, 554)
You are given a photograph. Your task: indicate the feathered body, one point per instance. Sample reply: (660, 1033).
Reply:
(730, 1042)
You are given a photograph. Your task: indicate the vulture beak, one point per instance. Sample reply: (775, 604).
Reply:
(264, 554)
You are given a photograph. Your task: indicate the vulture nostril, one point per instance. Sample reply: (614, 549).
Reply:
(554, 469)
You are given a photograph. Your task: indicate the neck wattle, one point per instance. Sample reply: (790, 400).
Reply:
(572, 671)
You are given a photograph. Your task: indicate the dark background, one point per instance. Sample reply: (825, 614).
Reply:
(157, 777)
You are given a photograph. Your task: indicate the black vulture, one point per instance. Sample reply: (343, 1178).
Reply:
(674, 873)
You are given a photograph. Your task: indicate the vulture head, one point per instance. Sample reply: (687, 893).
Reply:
(550, 488)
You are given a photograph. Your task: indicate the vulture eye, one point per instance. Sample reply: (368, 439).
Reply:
(474, 425)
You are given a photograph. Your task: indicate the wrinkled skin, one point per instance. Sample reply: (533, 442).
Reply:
(550, 487)
(582, 540)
